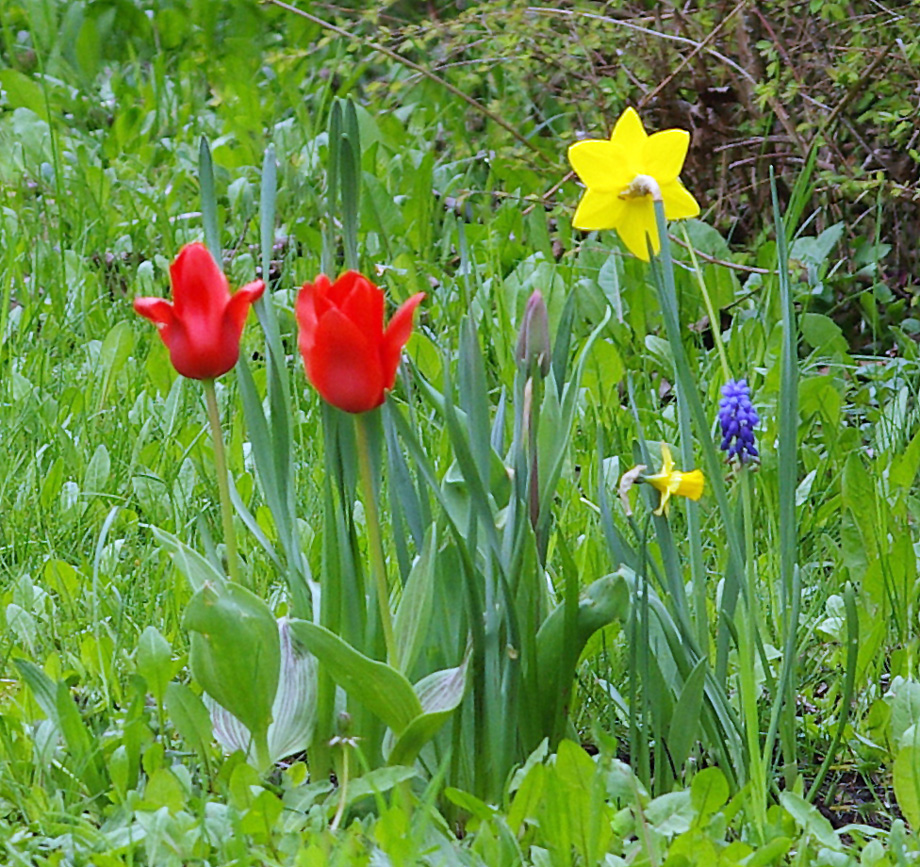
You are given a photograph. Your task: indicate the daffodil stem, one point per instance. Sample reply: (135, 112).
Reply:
(220, 465)
(748, 634)
(375, 542)
(714, 322)
(757, 778)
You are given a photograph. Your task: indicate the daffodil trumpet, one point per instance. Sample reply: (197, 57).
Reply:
(667, 481)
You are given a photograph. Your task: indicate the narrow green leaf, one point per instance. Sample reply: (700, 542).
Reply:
(84, 749)
(685, 724)
(208, 200)
(603, 601)
(44, 689)
(190, 717)
(414, 612)
(190, 563)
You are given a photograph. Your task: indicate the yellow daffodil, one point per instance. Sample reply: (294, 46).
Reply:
(624, 175)
(670, 481)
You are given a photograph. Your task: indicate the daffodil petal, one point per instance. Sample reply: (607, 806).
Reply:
(665, 153)
(600, 165)
(598, 210)
(637, 222)
(628, 133)
(678, 202)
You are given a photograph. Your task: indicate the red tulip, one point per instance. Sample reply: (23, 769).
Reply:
(350, 359)
(203, 325)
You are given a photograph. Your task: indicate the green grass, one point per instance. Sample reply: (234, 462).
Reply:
(102, 110)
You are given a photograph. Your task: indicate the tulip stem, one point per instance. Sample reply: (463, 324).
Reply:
(375, 542)
(220, 464)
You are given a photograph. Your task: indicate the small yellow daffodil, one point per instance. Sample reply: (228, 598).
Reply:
(670, 481)
(625, 175)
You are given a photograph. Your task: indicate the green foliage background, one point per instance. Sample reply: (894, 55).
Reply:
(102, 104)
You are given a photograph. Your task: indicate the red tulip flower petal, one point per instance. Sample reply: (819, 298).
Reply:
(397, 335)
(343, 366)
(238, 307)
(316, 295)
(199, 286)
(203, 325)
(363, 305)
(157, 310)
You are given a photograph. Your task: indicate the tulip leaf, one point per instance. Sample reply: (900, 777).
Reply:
(685, 723)
(440, 693)
(414, 611)
(380, 688)
(293, 710)
(208, 199)
(600, 604)
(235, 653)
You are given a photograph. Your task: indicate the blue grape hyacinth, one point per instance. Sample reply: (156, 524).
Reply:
(738, 419)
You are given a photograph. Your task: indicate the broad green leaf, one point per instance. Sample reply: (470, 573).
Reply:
(578, 793)
(380, 688)
(809, 819)
(823, 334)
(262, 816)
(440, 694)
(164, 790)
(905, 708)
(906, 774)
(473, 805)
(23, 92)
(235, 652)
(293, 711)
(97, 470)
(708, 792)
(153, 660)
(116, 350)
(603, 601)
(671, 813)
(378, 781)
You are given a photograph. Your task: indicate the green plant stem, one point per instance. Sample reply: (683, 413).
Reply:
(220, 465)
(343, 794)
(263, 756)
(748, 632)
(710, 310)
(375, 542)
(756, 777)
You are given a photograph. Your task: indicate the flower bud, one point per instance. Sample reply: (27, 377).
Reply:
(533, 347)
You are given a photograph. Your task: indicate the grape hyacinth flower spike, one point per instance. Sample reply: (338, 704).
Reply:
(738, 418)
